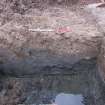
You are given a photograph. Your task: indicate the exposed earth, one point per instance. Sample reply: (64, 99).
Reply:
(33, 63)
(24, 52)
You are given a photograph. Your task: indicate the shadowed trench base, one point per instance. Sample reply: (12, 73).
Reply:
(83, 87)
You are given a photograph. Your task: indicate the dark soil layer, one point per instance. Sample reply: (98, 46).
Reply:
(42, 89)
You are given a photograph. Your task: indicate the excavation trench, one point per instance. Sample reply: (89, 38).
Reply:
(59, 66)
(80, 85)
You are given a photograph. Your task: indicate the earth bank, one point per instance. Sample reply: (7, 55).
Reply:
(24, 54)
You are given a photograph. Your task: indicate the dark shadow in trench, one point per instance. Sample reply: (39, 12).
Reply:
(51, 82)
